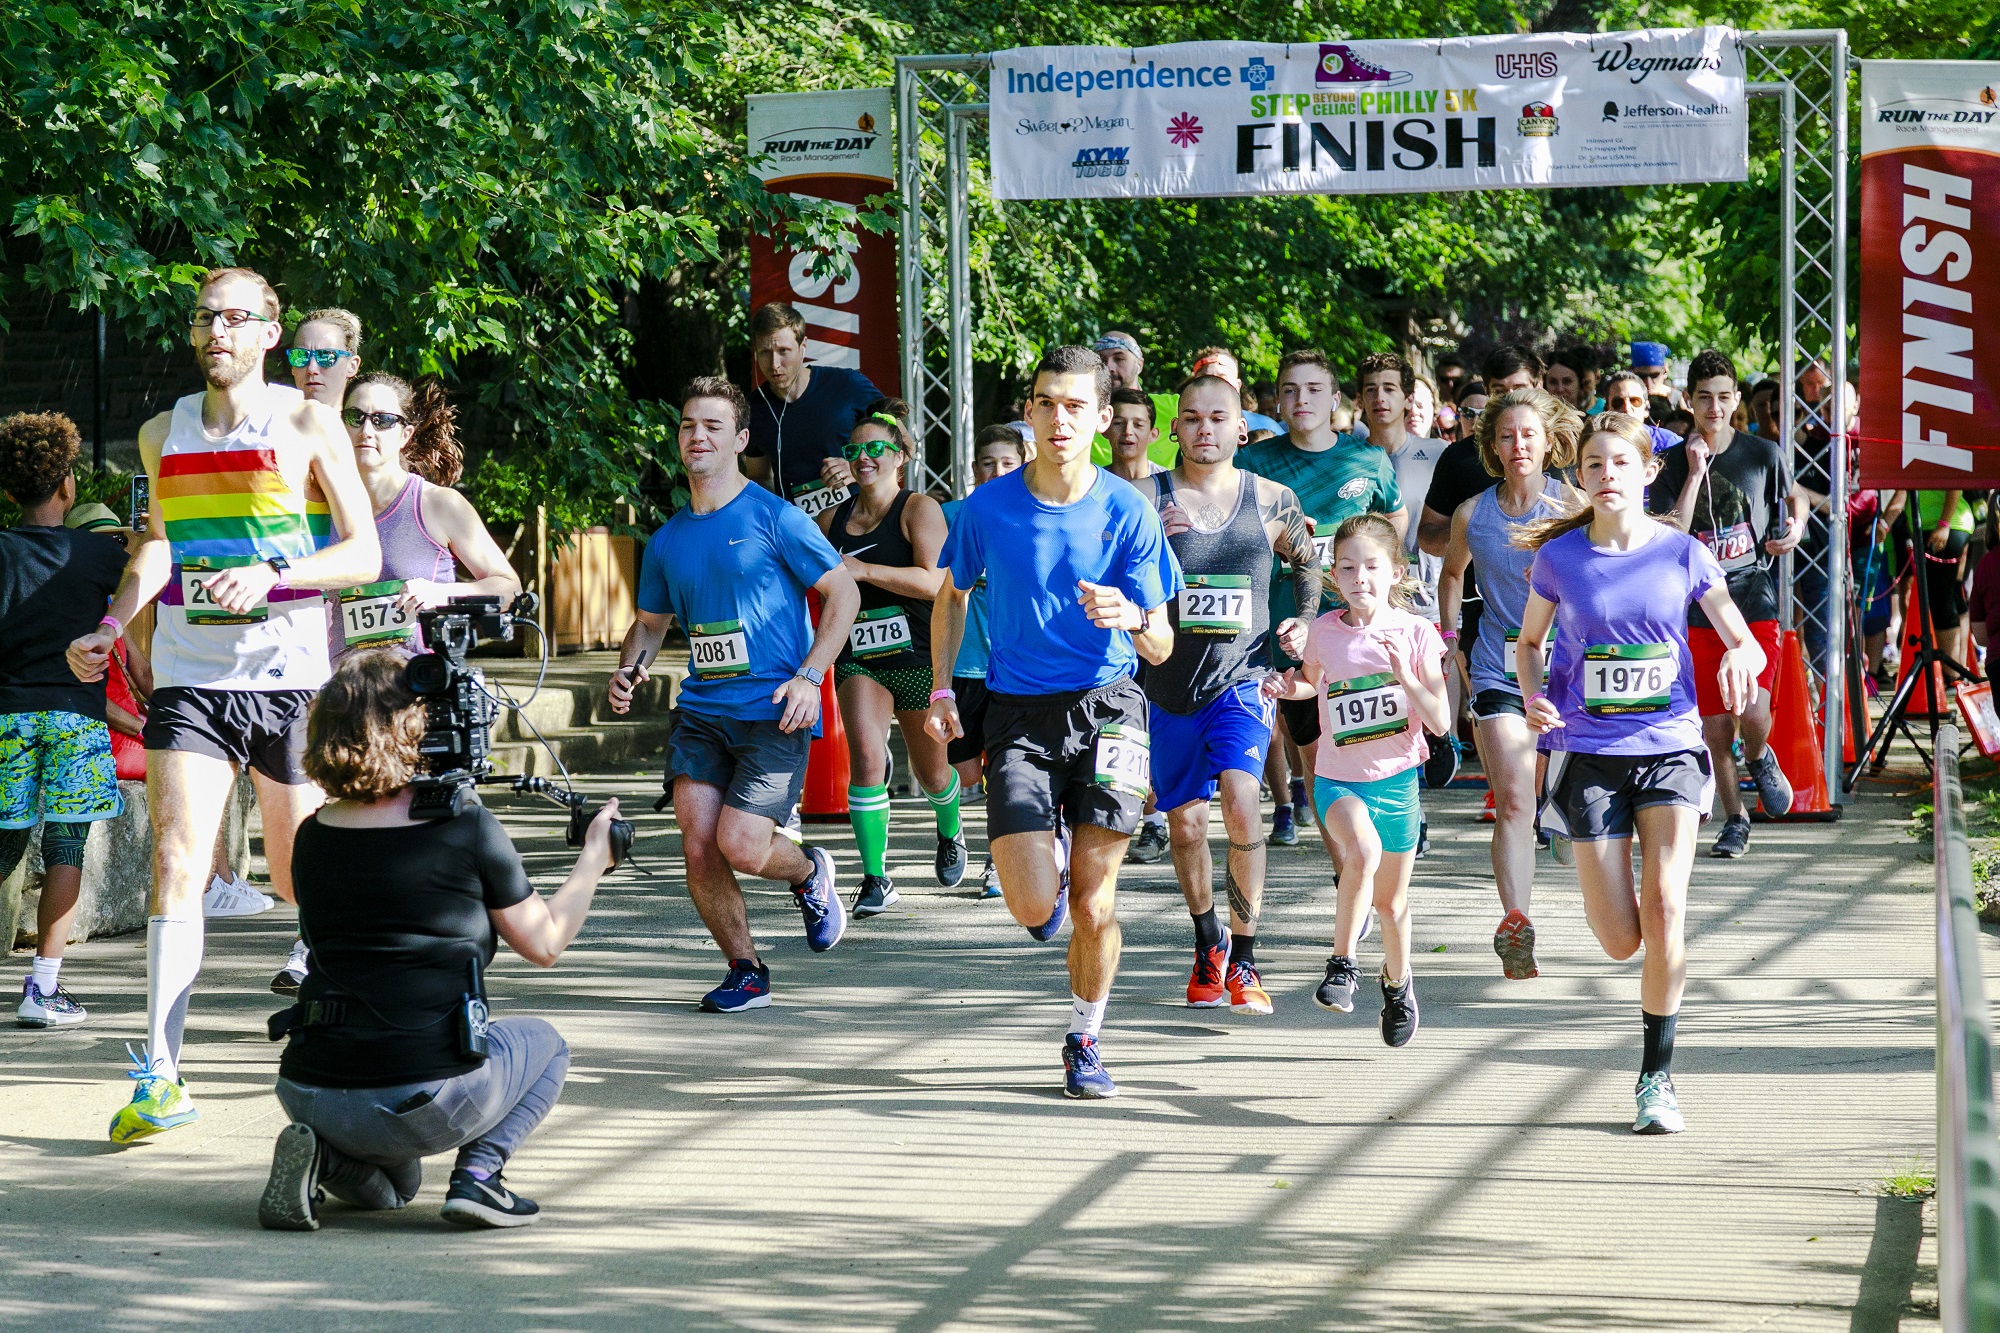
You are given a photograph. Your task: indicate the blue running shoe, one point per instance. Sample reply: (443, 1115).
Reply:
(1284, 831)
(819, 903)
(1047, 930)
(1083, 1072)
(989, 881)
(748, 986)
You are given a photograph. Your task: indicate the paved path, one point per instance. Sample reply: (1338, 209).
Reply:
(886, 1148)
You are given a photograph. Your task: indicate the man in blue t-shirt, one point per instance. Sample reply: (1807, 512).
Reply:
(1078, 575)
(801, 414)
(733, 568)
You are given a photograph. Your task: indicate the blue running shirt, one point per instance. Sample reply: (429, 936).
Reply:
(1033, 554)
(736, 581)
(972, 648)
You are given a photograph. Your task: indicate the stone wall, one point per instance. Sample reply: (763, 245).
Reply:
(117, 870)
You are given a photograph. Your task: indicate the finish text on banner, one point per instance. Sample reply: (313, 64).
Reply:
(1930, 274)
(831, 145)
(1469, 113)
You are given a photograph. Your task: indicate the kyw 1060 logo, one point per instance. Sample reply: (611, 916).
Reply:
(1099, 162)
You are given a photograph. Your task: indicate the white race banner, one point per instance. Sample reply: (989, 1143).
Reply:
(1468, 113)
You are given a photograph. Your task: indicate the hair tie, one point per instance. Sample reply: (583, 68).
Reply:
(884, 419)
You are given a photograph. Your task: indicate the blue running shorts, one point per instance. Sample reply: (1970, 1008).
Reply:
(1392, 806)
(1233, 730)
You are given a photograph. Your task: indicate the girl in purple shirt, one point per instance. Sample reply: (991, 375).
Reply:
(1617, 711)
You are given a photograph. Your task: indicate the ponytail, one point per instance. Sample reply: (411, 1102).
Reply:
(433, 452)
(1534, 536)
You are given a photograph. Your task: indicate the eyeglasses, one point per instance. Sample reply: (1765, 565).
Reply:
(324, 357)
(354, 416)
(873, 448)
(201, 317)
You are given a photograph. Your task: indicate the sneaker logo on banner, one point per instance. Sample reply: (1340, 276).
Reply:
(1338, 63)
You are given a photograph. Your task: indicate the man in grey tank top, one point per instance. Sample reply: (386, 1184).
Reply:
(1209, 719)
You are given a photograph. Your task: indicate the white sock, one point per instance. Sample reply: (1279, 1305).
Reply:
(45, 971)
(1086, 1017)
(173, 961)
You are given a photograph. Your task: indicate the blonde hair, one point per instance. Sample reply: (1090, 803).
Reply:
(1632, 431)
(346, 321)
(1376, 528)
(1561, 423)
(362, 733)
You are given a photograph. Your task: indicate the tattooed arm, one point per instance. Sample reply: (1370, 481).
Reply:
(1291, 540)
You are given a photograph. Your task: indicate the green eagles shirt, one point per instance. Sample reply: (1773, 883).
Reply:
(1165, 451)
(1353, 477)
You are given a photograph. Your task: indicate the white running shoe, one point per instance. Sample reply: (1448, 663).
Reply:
(47, 1011)
(233, 897)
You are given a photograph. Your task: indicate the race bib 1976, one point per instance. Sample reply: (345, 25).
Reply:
(1366, 708)
(719, 650)
(1621, 678)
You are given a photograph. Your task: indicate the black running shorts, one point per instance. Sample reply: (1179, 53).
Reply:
(1301, 720)
(1591, 797)
(759, 768)
(972, 697)
(265, 729)
(1085, 753)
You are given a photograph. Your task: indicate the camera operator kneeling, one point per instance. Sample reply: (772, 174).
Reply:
(383, 1067)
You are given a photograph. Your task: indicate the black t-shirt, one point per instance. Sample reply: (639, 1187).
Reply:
(1739, 507)
(1458, 477)
(395, 916)
(811, 428)
(54, 586)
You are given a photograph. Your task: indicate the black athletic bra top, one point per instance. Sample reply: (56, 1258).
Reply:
(876, 627)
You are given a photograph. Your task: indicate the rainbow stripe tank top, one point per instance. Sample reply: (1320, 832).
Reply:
(230, 500)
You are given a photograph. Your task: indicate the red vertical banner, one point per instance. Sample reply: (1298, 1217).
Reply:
(1930, 274)
(834, 146)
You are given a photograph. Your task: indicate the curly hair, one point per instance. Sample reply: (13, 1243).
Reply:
(362, 734)
(1560, 423)
(433, 451)
(37, 450)
(1377, 362)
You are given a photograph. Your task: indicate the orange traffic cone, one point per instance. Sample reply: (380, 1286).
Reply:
(1796, 736)
(1925, 691)
(825, 797)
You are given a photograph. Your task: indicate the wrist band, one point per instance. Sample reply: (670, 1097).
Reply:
(1449, 636)
(1539, 696)
(117, 628)
(943, 694)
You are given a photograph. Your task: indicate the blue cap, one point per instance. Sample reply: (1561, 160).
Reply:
(1649, 356)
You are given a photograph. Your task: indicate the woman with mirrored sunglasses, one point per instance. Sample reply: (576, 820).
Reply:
(325, 354)
(889, 539)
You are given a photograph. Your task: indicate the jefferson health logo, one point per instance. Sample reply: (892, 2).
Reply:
(1093, 162)
(1538, 121)
(1339, 63)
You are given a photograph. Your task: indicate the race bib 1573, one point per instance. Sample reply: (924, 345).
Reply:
(369, 614)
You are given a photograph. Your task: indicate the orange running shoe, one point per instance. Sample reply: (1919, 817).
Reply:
(1246, 991)
(1514, 941)
(1205, 989)
(1486, 811)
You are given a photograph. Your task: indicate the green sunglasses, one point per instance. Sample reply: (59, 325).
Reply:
(324, 357)
(873, 448)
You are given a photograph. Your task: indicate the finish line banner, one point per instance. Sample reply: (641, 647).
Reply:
(1930, 274)
(1394, 117)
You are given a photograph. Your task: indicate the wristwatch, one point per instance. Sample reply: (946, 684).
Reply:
(811, 676)
(280, 564)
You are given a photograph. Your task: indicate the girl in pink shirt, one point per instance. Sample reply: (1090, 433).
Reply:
(1375, 669)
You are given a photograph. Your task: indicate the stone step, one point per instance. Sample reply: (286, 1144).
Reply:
(572, 713)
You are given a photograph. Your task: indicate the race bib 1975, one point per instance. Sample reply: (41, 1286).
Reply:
(719, 650)
(1366, 708)
(1621, 678)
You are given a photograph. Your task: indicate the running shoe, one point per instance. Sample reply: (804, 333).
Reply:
(1342, 980)
(158, 1104)
(952, 858)
(1423, 839)
(48, 1011)
(1149, 846)
(292, 1195)
(1205, 989)
(748, 986)
(1339, 63)
(1734, 839)
(1543, 841)
(1514, 941)
(1083, 1072)
(472, 1202)
(1774, 789)
(819, 903)
(233, 897)
(1246, 990)
(1486, 815)
(1302, 810)
(1047, 930)
(878, 894)
(1284, 830)
(1442, 764)
(1563, 850)
(989, 880)
(1659, 1109)
(1399, 1011)
(293, 974)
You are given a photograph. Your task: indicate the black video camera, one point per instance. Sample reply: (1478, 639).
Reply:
(458, 711)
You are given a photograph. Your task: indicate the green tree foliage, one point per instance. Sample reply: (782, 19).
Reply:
(483, 181)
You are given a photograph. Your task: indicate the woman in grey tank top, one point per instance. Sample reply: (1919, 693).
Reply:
(406, 445)
(1523, 436)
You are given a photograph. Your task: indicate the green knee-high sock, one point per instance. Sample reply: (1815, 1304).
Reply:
(868, 811)
(944, 805)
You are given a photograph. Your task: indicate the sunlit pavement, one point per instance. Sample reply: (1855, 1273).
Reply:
(886, 1147)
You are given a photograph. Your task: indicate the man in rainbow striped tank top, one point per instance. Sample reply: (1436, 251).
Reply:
(240, 645)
